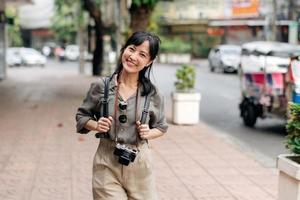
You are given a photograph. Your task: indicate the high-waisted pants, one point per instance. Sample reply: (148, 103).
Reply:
(113, 181)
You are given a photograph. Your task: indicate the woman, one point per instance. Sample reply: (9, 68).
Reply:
(129, 88)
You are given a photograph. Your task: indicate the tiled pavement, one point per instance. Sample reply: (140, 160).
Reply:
(41, 157)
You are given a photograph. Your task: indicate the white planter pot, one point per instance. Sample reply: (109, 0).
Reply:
(289, 178)
(186, 108)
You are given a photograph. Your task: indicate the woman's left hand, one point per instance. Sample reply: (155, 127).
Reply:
(144, 130)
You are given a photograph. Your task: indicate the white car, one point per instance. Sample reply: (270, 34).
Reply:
(13, 57)
(31, 56)
(225, 58)
(72, 53)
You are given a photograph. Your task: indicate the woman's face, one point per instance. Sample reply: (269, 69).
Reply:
(135, 58)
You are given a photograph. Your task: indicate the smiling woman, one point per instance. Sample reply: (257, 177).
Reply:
(130, 90)
(136, 58)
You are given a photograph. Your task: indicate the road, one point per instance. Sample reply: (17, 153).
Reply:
(219, 108)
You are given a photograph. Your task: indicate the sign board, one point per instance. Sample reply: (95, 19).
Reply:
(245, 8)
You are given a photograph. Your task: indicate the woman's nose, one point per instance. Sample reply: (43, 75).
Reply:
(133, 56)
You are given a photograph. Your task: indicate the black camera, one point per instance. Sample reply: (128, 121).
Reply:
(125, 154)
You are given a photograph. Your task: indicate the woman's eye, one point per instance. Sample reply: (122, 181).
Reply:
(143, 55)
(131, 48)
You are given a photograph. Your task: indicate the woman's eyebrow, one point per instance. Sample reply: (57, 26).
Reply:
(144, 52)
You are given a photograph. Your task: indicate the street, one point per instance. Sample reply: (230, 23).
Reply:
(41, 157)
(219, 108)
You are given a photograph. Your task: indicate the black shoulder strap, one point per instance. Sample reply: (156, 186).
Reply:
(145, 110)
(104, 106)
(105, 98)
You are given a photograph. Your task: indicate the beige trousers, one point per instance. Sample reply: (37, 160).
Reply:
(113, 181)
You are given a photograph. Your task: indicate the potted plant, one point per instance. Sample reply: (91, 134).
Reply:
(289, 164)
(186, 102)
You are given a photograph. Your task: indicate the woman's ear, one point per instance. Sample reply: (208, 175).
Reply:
(149, 64)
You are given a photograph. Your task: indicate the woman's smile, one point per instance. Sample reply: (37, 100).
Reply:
(130, 63)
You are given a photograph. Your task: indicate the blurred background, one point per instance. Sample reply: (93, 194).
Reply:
(79, 30)
(85, 37)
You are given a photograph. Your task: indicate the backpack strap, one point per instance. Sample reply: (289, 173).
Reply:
(104, 106)
(105, 99)
(145, 110)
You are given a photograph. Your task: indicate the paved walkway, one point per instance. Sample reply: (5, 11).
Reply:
(41, 157)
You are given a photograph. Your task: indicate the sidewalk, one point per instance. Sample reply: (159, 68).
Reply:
(41, 157)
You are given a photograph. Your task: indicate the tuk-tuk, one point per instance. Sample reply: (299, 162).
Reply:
(270, 78)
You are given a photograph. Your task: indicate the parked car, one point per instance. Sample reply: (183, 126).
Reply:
(32, 57)
(72, 53)
(13, 57)
(225, 58)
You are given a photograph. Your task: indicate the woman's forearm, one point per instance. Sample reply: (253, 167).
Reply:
(155, 133)
(91, 125)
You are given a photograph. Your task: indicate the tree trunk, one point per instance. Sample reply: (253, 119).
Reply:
(95, 13)
(98, 52)
(140, 17)
(80, 39)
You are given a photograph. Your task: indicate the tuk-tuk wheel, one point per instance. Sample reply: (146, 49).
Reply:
(211, 68)
(249, 115)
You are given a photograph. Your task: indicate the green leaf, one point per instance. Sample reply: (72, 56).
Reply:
(292, 140)
(186, 77)
(175, 45)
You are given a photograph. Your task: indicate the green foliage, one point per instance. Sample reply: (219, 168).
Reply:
(292, 141)
(14, 32)
(175, 45)
(68, 14)
(150, 3)
(204, 43)
(154, 19)
(186, 78)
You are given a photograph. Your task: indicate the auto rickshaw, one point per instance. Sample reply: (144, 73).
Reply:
(270, 78)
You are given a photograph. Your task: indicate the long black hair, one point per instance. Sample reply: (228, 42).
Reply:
(137, 39)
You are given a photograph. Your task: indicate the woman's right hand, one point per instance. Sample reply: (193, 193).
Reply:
(103, 124)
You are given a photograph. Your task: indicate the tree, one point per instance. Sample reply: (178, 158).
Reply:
(140, 12)
(63, 21)
(93, 8)
(14, 33)
(67, 19)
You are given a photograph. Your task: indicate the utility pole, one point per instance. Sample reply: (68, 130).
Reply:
(293, 26)
(273, 21)
(292, 10)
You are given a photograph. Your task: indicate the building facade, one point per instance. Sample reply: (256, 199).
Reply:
(233, 21)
